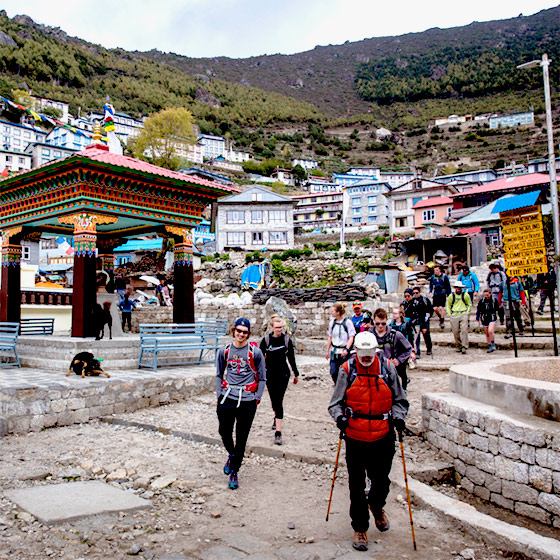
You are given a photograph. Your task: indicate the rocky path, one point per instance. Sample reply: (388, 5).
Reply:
(278, 512)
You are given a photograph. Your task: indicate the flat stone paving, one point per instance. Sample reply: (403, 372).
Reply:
(57, 503)
(30, 378)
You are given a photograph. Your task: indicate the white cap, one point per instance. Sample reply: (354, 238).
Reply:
(458, 284)
(365, 341)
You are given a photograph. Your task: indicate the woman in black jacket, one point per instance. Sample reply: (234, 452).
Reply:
(278, 350)
(486, 314)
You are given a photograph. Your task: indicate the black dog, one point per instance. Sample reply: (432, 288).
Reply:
(84, 363)
(102, 317)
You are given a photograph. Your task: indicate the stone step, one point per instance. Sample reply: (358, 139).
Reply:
(57, 365)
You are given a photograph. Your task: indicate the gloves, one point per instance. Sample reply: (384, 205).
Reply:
(252, 387)
(296, 379)
(342, 423)
(399, 425)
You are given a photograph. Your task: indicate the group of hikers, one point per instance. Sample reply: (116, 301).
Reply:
(368, 403)
(368, 356)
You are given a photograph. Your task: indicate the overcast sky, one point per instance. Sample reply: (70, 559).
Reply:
(243, 28)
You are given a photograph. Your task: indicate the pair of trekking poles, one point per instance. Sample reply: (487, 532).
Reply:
(405, 482)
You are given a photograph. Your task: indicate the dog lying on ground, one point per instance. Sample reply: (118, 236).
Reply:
(84, 363)
(102, 317)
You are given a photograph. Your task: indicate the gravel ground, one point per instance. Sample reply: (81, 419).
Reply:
(280, 501)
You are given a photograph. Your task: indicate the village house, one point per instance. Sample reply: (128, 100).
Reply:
(430, 216)
(317, 210)
(42, 103)
(254, 219)
(366, 203)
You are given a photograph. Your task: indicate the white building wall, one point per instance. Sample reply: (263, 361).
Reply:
(250, 227)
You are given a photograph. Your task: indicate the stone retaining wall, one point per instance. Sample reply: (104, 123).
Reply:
(342, 292)
(511, 461)
(25, 410)
(312, 316)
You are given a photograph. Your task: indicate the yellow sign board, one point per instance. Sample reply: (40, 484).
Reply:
(526, 253)
(526, 261)
(512, 240)
(520, 211)
(528, 229)
(529, 219)
(526, 270)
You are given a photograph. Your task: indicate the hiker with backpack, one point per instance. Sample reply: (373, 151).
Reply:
(470, 282)
(486, 315)
(240, 382)
(420, 311)
(368, 404)
(513, 311)
(393, 344)
(402, 324)
(278, 351)
(458, 307)
(340, 340)
(440, 288)
(496, 281)
(358, 316)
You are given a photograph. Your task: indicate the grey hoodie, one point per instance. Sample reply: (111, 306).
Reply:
(239, 373)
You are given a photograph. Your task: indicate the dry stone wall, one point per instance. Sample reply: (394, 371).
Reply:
(511, 462)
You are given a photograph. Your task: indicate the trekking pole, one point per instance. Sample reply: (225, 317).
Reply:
(334, 475)
(407, 492)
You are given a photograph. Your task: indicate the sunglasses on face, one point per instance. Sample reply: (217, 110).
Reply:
(240, 331)
(379, 324)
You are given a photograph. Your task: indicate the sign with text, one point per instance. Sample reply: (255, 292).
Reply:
(523, 239)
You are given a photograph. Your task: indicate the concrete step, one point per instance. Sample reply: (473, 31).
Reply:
(57, 365)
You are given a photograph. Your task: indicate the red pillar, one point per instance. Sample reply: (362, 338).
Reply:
(10, 296)
(84, 289)
(183, 282)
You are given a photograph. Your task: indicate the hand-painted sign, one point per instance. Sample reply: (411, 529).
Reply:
(523, 239)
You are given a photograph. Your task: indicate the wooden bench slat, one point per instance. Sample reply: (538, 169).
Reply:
(8, 342)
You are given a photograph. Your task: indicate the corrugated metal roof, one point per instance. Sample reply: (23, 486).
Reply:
(139, 245)
(515, 202)
(518, 181)
(434, 201)
(260, 195)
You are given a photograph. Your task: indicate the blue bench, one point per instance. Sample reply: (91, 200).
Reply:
(202, 337)
(8, 340)
(36, 326)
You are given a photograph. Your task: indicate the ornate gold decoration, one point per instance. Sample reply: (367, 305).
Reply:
(85, 222)
(7, 233)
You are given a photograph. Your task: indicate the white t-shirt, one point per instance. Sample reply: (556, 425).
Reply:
(339, 335)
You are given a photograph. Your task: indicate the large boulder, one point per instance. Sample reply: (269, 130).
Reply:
(278, 306)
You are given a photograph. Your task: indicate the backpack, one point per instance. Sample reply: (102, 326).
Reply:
(333, 323)
(462, 297)
(286, 342)
(391, 341)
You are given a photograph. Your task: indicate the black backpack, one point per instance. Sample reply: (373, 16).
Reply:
(462, 297)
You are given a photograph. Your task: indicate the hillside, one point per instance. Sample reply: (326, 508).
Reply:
(474, 60)
(325, 103)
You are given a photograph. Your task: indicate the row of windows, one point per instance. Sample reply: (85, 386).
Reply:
(17, 132)
(430, 215)
(237, 238)
(20, 159)
(371, 188)
(314, 216)
(371, 220)
(256, 216)
(357, 200)
(358, 211)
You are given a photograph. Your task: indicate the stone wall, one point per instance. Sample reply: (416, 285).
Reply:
(61, 404)
(510, 460)
(341, 292)
(312, 317)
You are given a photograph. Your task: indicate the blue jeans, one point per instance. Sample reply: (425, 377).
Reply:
(336, 361)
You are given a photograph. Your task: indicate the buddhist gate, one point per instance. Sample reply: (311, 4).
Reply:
(101, 199)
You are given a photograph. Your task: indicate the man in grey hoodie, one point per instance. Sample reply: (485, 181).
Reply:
(240, 383)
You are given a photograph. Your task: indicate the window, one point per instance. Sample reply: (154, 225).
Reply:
(307, 216)
(8, 159)
(7, 129)
(356, 220)
(235, 217)
(428, 215)
(357, 211)
(277, 216)
(400, 204)
(27, 134)
(400, 222)
(372, 209)
(21, 160)
(57, 153)
(449, 211)
(276, 237)
(17, 132)
(17, 142)
(123, 260)
(235, 238)
(256, 216)
(257, 238)
(255, 197)
(372, 219)
(372, 198)
(357, 201)
(25, 252)
(45, 152)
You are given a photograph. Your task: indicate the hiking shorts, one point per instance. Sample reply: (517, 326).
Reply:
(439, 300)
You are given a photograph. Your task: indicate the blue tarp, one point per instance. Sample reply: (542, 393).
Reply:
(515, 202)
(253, 276)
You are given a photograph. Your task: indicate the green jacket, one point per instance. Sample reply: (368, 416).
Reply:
(458, 304)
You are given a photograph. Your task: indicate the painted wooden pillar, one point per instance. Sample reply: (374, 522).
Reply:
(10, 296)
(183, 277)
(84, 288)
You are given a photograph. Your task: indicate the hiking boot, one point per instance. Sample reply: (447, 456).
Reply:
(227, 466)
(442, 324)
(463, 350)
(381, 520)
(359, 542)
(428, 352)
(233, 482)
(491, 348)
(540, 312)
(278, 438)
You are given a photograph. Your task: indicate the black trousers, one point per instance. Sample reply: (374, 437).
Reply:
(127, 318)
(375, 460)
(277, 387)
(546, 294)
(401, 370)
(230, 416)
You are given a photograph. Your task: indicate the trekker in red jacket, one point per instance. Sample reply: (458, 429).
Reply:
(367, 404)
